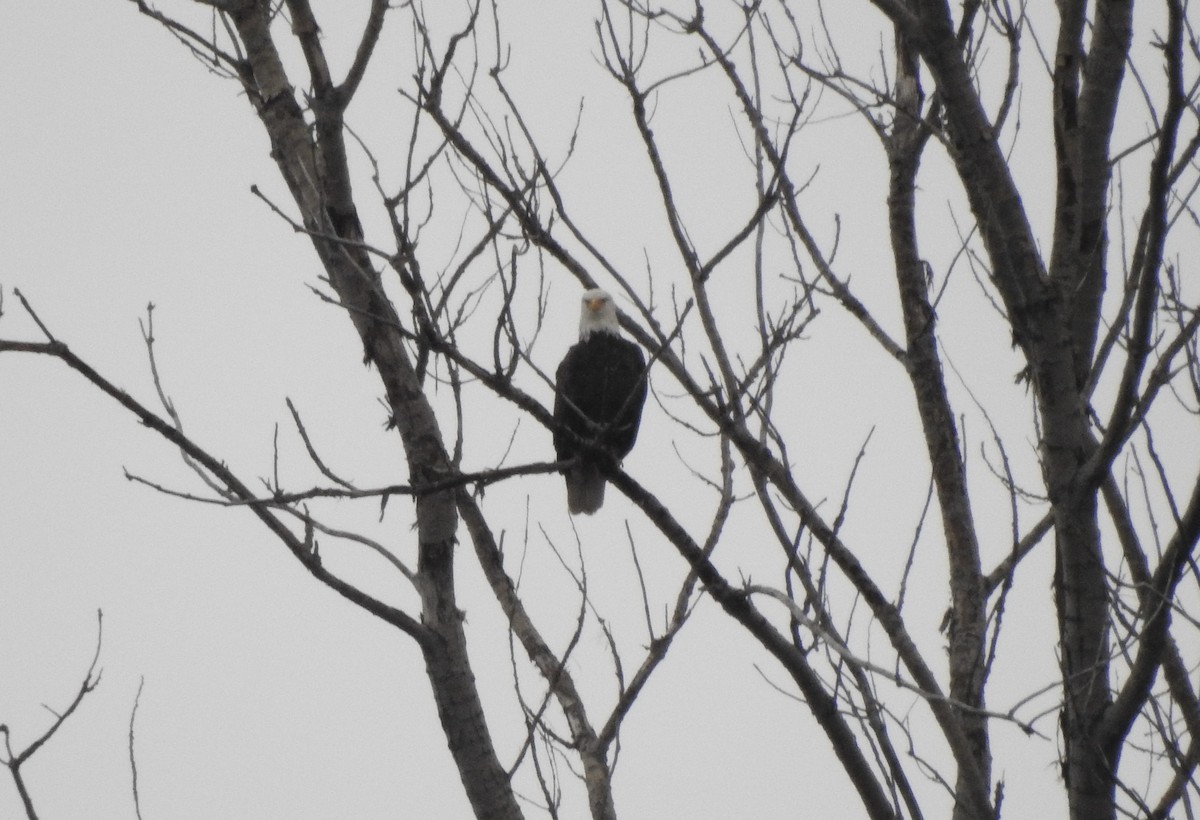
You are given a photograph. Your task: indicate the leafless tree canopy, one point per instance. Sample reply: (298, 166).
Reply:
(807, 212)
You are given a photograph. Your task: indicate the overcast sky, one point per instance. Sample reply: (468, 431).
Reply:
(125, 174)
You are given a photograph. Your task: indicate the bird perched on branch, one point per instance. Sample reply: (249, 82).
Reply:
(600, 388)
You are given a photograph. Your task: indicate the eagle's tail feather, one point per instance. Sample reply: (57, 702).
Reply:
(585, 489)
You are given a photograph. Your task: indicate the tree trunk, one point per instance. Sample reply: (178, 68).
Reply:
(313, 164)
(904, 146)
(456, 694)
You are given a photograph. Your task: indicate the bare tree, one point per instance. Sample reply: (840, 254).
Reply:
(1050, 326)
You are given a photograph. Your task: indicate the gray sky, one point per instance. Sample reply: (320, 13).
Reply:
(126, 173)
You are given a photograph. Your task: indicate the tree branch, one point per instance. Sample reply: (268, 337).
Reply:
(15, 760)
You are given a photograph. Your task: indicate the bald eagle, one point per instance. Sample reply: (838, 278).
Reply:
(600, 388)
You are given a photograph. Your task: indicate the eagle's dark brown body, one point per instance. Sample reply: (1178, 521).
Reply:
(600, 390)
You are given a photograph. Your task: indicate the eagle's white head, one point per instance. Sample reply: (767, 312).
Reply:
(598, 314)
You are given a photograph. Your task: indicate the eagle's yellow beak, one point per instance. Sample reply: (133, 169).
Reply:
(594, 305)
